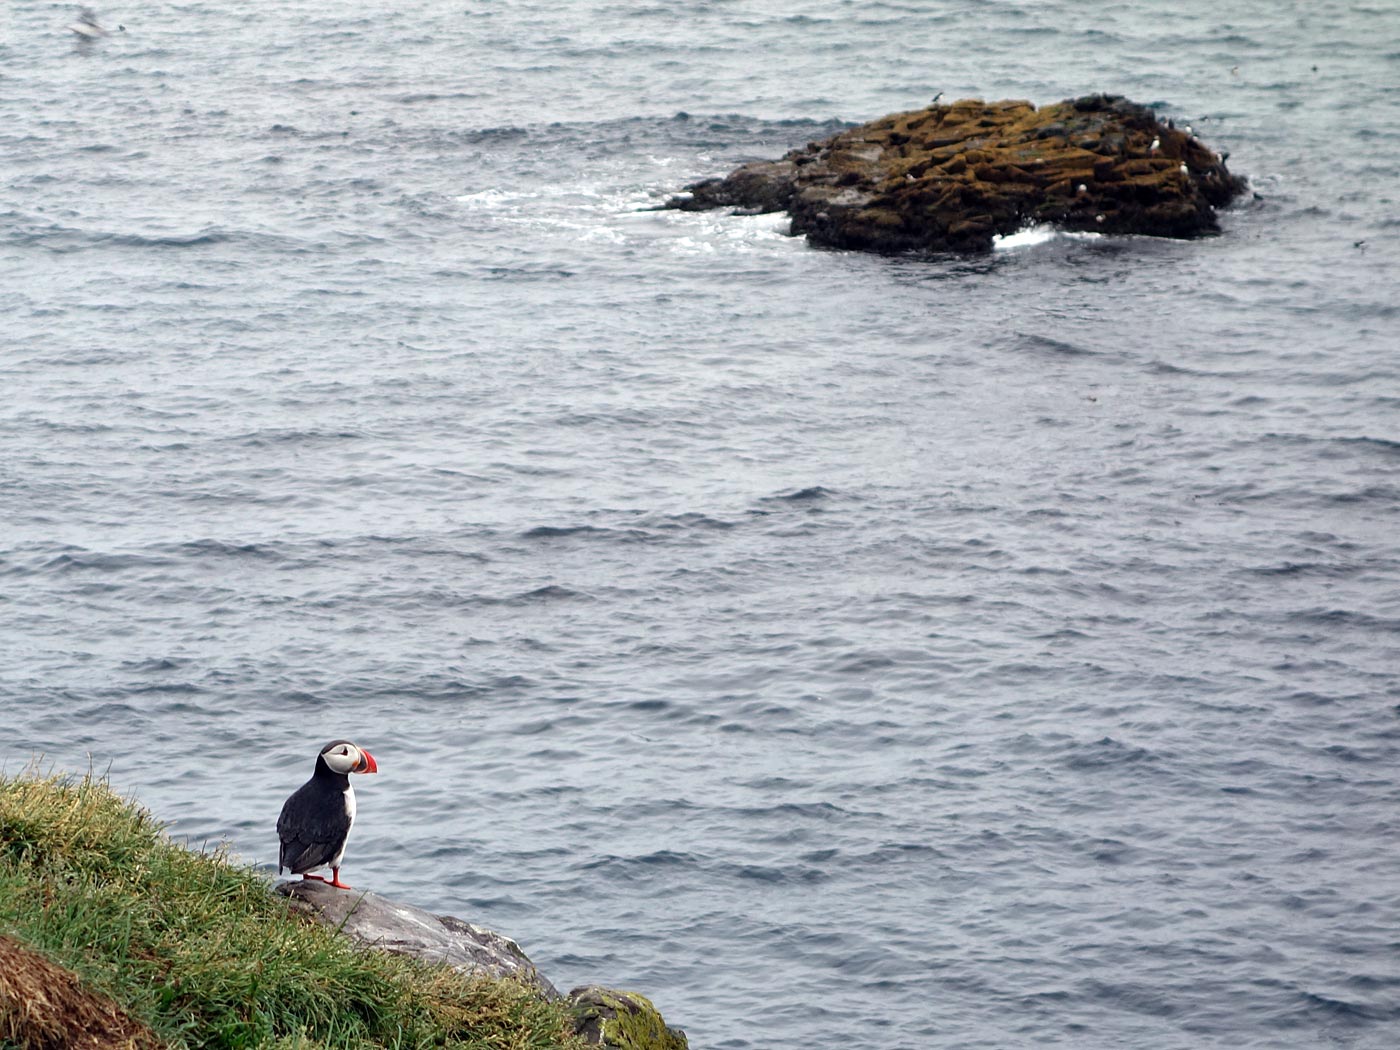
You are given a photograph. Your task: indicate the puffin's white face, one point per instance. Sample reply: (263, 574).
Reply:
(345, 757)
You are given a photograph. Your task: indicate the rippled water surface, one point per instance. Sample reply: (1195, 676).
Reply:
(843, 651)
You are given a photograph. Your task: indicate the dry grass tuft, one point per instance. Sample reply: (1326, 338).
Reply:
(44, 1007)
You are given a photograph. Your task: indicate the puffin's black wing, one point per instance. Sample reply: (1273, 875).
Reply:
(313, 827)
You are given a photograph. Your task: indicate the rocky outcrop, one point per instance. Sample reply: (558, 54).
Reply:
(952, 177)
(603, 1016)
(380, 923)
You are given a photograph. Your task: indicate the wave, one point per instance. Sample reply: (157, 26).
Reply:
(1106, 753)
(62, 240)
(587, 532)
(77, 560)
(1035, 343)
(645, 868)
(1346, 1011)
(810, 494)
(1304, 569)
(1346, 618)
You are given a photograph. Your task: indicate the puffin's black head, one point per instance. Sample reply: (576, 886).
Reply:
(341, 756)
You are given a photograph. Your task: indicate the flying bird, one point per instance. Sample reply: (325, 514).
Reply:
(86, 27)
(316, 819)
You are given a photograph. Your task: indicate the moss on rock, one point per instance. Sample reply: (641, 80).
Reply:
(622, 1021)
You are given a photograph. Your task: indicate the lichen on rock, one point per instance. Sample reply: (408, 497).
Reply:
(622, 1021)
(953, 177)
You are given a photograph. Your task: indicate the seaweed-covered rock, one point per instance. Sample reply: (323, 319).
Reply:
(378, 922)
(622, 1021)
(950, 178)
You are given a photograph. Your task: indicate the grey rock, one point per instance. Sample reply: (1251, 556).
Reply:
(378, 922)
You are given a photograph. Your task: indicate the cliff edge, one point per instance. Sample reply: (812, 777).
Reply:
(114, 936)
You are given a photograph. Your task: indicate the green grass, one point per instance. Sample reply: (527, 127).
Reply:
(198, 949)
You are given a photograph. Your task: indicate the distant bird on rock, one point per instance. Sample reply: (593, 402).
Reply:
(316, 819)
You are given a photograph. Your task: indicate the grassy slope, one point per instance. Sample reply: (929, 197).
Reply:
(197, 948)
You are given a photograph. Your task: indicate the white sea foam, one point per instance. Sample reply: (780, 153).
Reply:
(1034, 235)
(494, 199)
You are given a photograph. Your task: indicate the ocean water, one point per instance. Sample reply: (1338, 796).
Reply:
(843, 651)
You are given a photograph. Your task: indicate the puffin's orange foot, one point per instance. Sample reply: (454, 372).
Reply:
(313, 878)
(335, 880)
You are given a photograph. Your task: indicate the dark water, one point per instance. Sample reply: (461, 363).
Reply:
(843, 651)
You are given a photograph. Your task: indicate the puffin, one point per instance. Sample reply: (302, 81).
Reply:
(316, 818)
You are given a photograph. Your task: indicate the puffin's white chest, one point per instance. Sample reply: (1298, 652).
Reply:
(349, 798)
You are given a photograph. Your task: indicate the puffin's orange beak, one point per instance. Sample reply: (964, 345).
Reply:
(367, 763)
